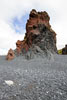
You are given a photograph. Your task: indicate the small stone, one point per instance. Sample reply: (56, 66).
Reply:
(19, 84)
(9, 82)
(47, 92)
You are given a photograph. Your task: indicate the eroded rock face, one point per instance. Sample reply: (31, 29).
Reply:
(19, 46)
(36, 18)
(64, 50)
(38, 34)
(10, 55)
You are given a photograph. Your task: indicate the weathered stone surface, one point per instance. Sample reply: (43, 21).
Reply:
(10, 55)
(36, 18)
(38, 33)
(19, 46)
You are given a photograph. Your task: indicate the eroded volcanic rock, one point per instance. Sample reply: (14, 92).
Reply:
(64, 50)
(10, 55)
(39, 37)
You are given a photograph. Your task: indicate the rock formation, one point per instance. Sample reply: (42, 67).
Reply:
(10, 55)
(64, 50)
(39, 37)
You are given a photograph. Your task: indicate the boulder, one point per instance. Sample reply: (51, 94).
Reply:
(10, 55)
(64, 50)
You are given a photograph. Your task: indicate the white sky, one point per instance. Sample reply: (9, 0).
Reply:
(9, 9)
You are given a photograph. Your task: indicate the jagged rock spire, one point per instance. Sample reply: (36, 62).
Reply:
(38, 33)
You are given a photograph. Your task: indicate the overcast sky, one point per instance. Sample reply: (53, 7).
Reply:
(14, 14)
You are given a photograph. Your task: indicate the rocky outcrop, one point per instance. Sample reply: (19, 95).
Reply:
(39, 37)
(10, 55)
(19, 46)
(64, 50)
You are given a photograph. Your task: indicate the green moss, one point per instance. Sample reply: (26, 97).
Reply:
(60, 51)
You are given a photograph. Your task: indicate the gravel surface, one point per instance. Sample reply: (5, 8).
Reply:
(35, 79)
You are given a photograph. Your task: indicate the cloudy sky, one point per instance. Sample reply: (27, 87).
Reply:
(14, 15)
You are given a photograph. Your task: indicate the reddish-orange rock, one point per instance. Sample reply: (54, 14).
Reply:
(36, 18)
(10, 55)
(19, 46)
